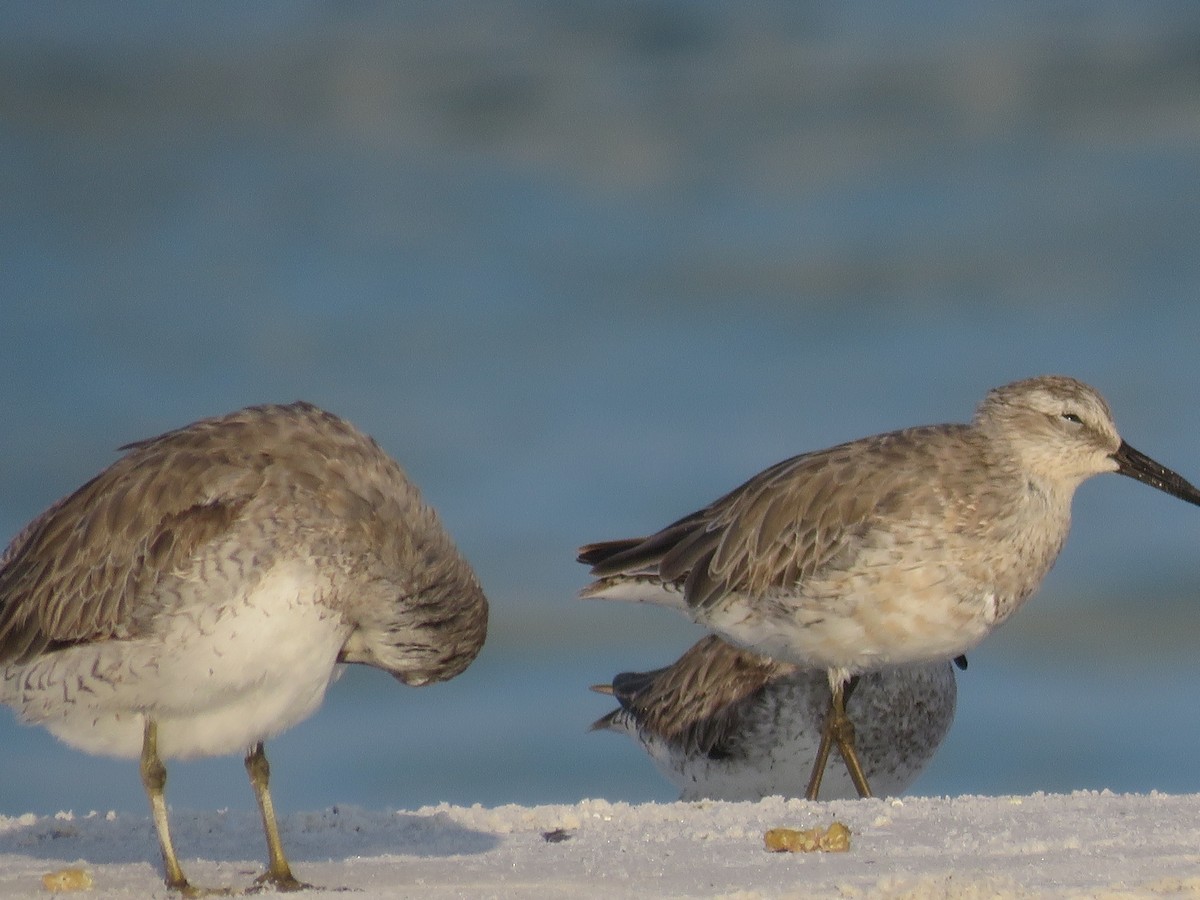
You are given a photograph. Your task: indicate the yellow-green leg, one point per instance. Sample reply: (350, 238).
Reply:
(278, 873)
(838, 730)
(154, 779)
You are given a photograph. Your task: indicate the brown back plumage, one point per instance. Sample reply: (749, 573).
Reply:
(698, 702)
(786, 523)
(76, 571)
(86, 568)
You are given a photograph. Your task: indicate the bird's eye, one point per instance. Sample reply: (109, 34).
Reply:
(1071, 417)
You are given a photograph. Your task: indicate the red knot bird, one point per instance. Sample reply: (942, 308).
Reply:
(721, 723)
(900, 548)
(197, 596)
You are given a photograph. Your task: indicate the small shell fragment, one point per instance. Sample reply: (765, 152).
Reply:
(834, 839)
(67, 880)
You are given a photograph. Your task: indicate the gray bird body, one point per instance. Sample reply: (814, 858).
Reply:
(209, 582)
(722, 723)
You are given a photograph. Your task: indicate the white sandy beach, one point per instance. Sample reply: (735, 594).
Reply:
(1085, 844)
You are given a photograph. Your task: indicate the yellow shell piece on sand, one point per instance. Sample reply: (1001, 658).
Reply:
(67, 880)
(834, 839)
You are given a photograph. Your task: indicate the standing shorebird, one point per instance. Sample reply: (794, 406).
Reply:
(722, 723)
(195, 598)
(903, 547)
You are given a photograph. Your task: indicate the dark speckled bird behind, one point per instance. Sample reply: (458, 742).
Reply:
(904, 547)
(722, 723)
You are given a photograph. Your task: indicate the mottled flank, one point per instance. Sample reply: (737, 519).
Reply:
(900, 548)
(722, 723)
(195, 597)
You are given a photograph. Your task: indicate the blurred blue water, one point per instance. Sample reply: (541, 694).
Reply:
(581, 268)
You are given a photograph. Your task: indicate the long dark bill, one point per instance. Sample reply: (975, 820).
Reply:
(1138, 465)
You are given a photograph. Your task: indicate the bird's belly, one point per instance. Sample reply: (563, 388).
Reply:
(217, 679)
(858, 628)
(779, 765)
(900, 714)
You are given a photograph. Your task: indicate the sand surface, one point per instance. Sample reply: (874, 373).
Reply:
(1085, 844)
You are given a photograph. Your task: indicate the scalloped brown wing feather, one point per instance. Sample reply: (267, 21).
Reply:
(79, 571)
(788, 522)
(699, 700)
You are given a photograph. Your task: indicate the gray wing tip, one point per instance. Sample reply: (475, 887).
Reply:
(607, 722)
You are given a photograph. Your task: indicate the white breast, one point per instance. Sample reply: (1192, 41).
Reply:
(218, 677)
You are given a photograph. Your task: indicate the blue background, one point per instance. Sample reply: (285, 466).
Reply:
(581, 267)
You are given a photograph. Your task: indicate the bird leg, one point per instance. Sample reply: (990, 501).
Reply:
(844, 736)
(154, 779)
(838, 730)
(279, 873)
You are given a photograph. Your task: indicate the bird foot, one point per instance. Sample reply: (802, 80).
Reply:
(285, 882)
(187, 889)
